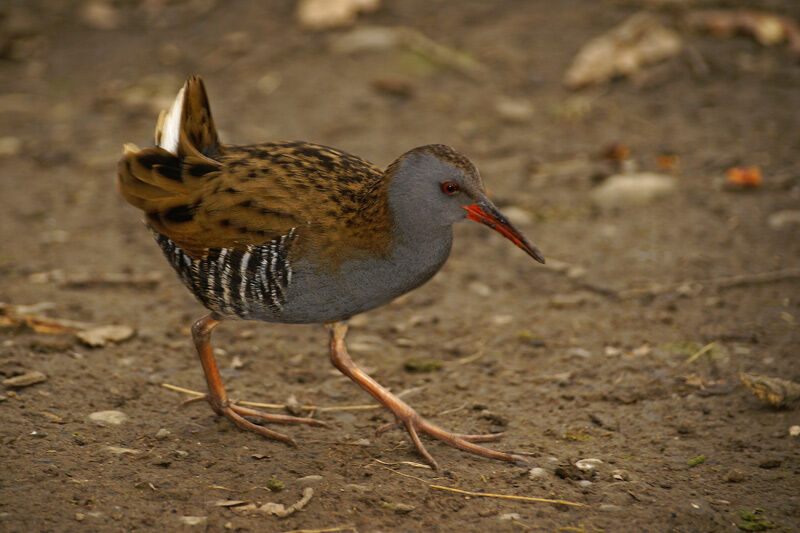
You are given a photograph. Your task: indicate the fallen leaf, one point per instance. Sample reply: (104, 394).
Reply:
(744, 176)
(24, 380)
(102, 335)
(775, 391)
(766, 28)
(229, 503)
(280, 510)
(639, 41)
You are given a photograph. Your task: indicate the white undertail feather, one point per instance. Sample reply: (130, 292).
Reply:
(169, 125)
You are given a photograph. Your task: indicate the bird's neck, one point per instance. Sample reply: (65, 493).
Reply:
(414, 233)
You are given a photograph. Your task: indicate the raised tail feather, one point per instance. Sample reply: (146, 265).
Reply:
(187, 129)
(154, 179)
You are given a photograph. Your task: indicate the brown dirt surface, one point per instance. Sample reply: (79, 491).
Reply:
(559, 357)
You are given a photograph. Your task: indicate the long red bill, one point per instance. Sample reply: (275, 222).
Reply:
(488, 215)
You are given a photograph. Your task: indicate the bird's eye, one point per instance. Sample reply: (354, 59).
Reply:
(449, 187)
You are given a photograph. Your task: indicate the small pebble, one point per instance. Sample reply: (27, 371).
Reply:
(193, 520)
(612, 351)
(268, 83)
(579, 352)
(584, 483)
(403, 508)
(108, 418)
(514, 109)
(502, 320)
(620, 475)
(734, 476)
(609, 507)
(537, 473)
(309, 480)
(794, 431)
(509, 516)
(162, 434)
(358, 488)
(784, 219)
(327, 14)
(118, 450)
(634, 189)
(588, 464)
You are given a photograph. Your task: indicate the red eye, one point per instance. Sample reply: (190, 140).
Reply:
(449, 187)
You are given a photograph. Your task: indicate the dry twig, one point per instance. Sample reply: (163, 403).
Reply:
(506, 496)
(333, 529)
(407, 463)
(284, 406)
(699, 352)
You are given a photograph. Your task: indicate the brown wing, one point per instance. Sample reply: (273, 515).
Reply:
(211, 196)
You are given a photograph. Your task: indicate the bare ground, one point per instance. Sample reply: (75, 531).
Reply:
(556, 359)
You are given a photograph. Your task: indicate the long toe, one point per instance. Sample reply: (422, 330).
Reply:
(231, 414)
(416, 425)
(479, 438)
(466, 444)
(236, 413)
(276, 419)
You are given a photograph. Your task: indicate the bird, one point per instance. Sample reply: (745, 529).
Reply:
(301, 233)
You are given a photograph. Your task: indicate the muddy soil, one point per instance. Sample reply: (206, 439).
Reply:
(559, 358)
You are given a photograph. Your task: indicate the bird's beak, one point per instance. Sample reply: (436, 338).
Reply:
(486, 213)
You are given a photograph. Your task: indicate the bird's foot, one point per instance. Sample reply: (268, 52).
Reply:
(405, 415)
(236, 413)
(416, 424)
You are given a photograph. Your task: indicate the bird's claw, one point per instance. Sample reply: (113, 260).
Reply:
(236, 413)
(415, 424)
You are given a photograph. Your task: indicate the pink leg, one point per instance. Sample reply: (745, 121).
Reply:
(406, 416)
(218, 398)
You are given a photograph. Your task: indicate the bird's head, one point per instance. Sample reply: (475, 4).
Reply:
(434, 186)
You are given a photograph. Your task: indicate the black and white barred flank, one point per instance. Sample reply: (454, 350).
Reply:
(234, 282)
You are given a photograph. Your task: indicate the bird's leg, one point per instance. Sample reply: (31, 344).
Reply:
(218, 398)
(413, 422)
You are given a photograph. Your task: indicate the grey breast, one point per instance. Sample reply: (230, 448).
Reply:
(260, 283)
